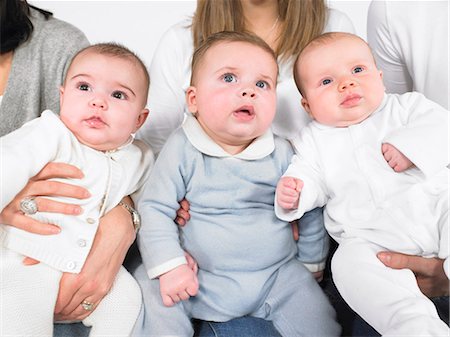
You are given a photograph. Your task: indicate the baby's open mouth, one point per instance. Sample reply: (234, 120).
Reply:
(244, 113)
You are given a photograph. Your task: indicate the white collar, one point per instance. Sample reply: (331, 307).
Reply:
(259, 148)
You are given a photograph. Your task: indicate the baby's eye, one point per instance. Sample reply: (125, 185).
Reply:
(229, 78)
(119, 95)
(83, 87)
(357, 70)
(262, 84)
(326, 81)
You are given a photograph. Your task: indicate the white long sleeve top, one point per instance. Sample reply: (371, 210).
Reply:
(171, 73)
(344, 169)
(109, 176)
(410, 42)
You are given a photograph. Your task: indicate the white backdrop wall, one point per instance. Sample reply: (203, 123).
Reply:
(140, 24)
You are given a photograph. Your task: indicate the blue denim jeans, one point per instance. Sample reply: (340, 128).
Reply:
(239, 327)
(352, 324)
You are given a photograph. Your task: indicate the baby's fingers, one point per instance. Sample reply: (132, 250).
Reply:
(192, 289)
(299, 185)
(288, 182)
(184, 295)
(287, 202)
(167, 301)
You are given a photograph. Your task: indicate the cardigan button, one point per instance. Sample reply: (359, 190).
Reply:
(71, 265)
(81, 243)
(90, 221)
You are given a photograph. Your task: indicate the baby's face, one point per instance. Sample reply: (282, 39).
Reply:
(102, 100)
(234, 94)
(341, 82)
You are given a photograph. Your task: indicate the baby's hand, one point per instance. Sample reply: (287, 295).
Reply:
(397, 160)
(178, 285)
(288, 192)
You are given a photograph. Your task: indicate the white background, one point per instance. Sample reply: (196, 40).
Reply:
(140, 24)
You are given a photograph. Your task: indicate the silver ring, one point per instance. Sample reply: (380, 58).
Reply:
(28, 205)
(88, 306)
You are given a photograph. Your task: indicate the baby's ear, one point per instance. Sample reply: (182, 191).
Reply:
(191, 99)
(381, 78)
(61, 95)
(305, 106)
(141, 119)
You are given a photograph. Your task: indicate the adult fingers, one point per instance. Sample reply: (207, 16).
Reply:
(180, 221)
(52, 206)
(183, 214)
(12, 216)
(417, 264)
(52, 188)
(58, 170)
(79, 313)
(295, 231)
(185, 204)
(28, 261)
(73, 291)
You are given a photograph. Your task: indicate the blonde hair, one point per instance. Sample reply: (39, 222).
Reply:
(225, 36)
(302, 20)
(321, 40)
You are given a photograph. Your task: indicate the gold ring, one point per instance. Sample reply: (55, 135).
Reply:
(88, 306)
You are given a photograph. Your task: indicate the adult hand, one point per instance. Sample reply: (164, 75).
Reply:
(429, 272)
(41, 187)
(183, 215)
(114, 237)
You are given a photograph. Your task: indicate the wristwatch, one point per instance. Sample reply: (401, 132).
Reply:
(135, 217)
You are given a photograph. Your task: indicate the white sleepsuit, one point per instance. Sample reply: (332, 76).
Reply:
(370, 207)
(29, 293)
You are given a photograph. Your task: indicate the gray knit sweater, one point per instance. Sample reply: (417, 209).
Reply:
(37, 71)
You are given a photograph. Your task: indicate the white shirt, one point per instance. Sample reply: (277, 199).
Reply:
(410, 41)
(171, 73)
(108, 176)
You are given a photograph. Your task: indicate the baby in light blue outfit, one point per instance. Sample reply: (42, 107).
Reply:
(226, 162)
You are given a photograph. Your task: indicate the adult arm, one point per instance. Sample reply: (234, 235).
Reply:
(338, 21)
(170, 74)
(114, 237)
(396, 77)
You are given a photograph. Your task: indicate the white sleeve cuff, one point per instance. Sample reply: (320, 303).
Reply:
(287, 214)
(314, 267)
(165, 267)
